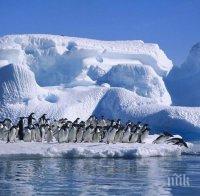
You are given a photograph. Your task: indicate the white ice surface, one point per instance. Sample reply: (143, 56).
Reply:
(88, 150)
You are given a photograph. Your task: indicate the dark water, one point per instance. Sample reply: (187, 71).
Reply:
(145, 176)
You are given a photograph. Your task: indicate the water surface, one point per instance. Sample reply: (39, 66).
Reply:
(140, 176)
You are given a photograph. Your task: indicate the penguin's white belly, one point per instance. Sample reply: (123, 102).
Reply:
(27, 136)
(126, 136)
(33, 132)
(111, 136)
(62, 136)
(72, 135)
(144, 136)
(87, 136)
(49, 136)
(12, 135)
(4, 133)
(118, 136)
(134, 138)
(38, 136)
(96, 137)
(79, 136)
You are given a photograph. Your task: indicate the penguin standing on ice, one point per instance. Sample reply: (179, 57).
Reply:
(21, 128)
(27, 134)
(37, 133)
(80, 131)
(43, 119)
(1, 130)
(127, 134)
(112, 134)
(42, 132)
(8, 123)
(63, 134)
(72, 133)
(31, 119)
(143, 134)
(88, 134)
(134, 134)
(12, 134)
(97, 135)
(49, 135)
(119, 135)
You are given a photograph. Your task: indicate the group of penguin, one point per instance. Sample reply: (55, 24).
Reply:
(92, 130)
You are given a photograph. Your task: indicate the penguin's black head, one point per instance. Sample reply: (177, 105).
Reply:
(102, 117)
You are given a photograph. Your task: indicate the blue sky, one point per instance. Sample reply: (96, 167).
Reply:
(173, 24)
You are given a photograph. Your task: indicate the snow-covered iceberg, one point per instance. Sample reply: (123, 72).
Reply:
(183, 81)
(75, 77)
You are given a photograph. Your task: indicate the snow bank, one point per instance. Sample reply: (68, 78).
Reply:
(17, 83)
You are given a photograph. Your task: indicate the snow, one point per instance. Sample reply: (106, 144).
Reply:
(94, 150)
(140, 79)
(76, 77)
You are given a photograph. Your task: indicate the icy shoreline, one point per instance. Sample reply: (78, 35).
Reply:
(90, 150)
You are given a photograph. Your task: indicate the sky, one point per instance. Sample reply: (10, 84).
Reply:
(173, 24)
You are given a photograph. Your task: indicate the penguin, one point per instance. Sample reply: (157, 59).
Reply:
(177, 141)
(31, 119)
(8, 123)
(49, 135)
(111, 135)
(4, 133)
(88, 134)
(33, 132)
(143, 135)
(21, 128)
(42, 119)
(97, 135)
(162, 138)
(38, 137)
(42, 132)
(12, 133)
(107, 130)
(134, 134)
(72, 133)
(27, 134)
(1, 130)
(119, 135)
(126, 134)
(63, 134)
(80, 131)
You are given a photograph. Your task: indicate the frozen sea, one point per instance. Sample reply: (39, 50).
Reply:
(100, 176)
